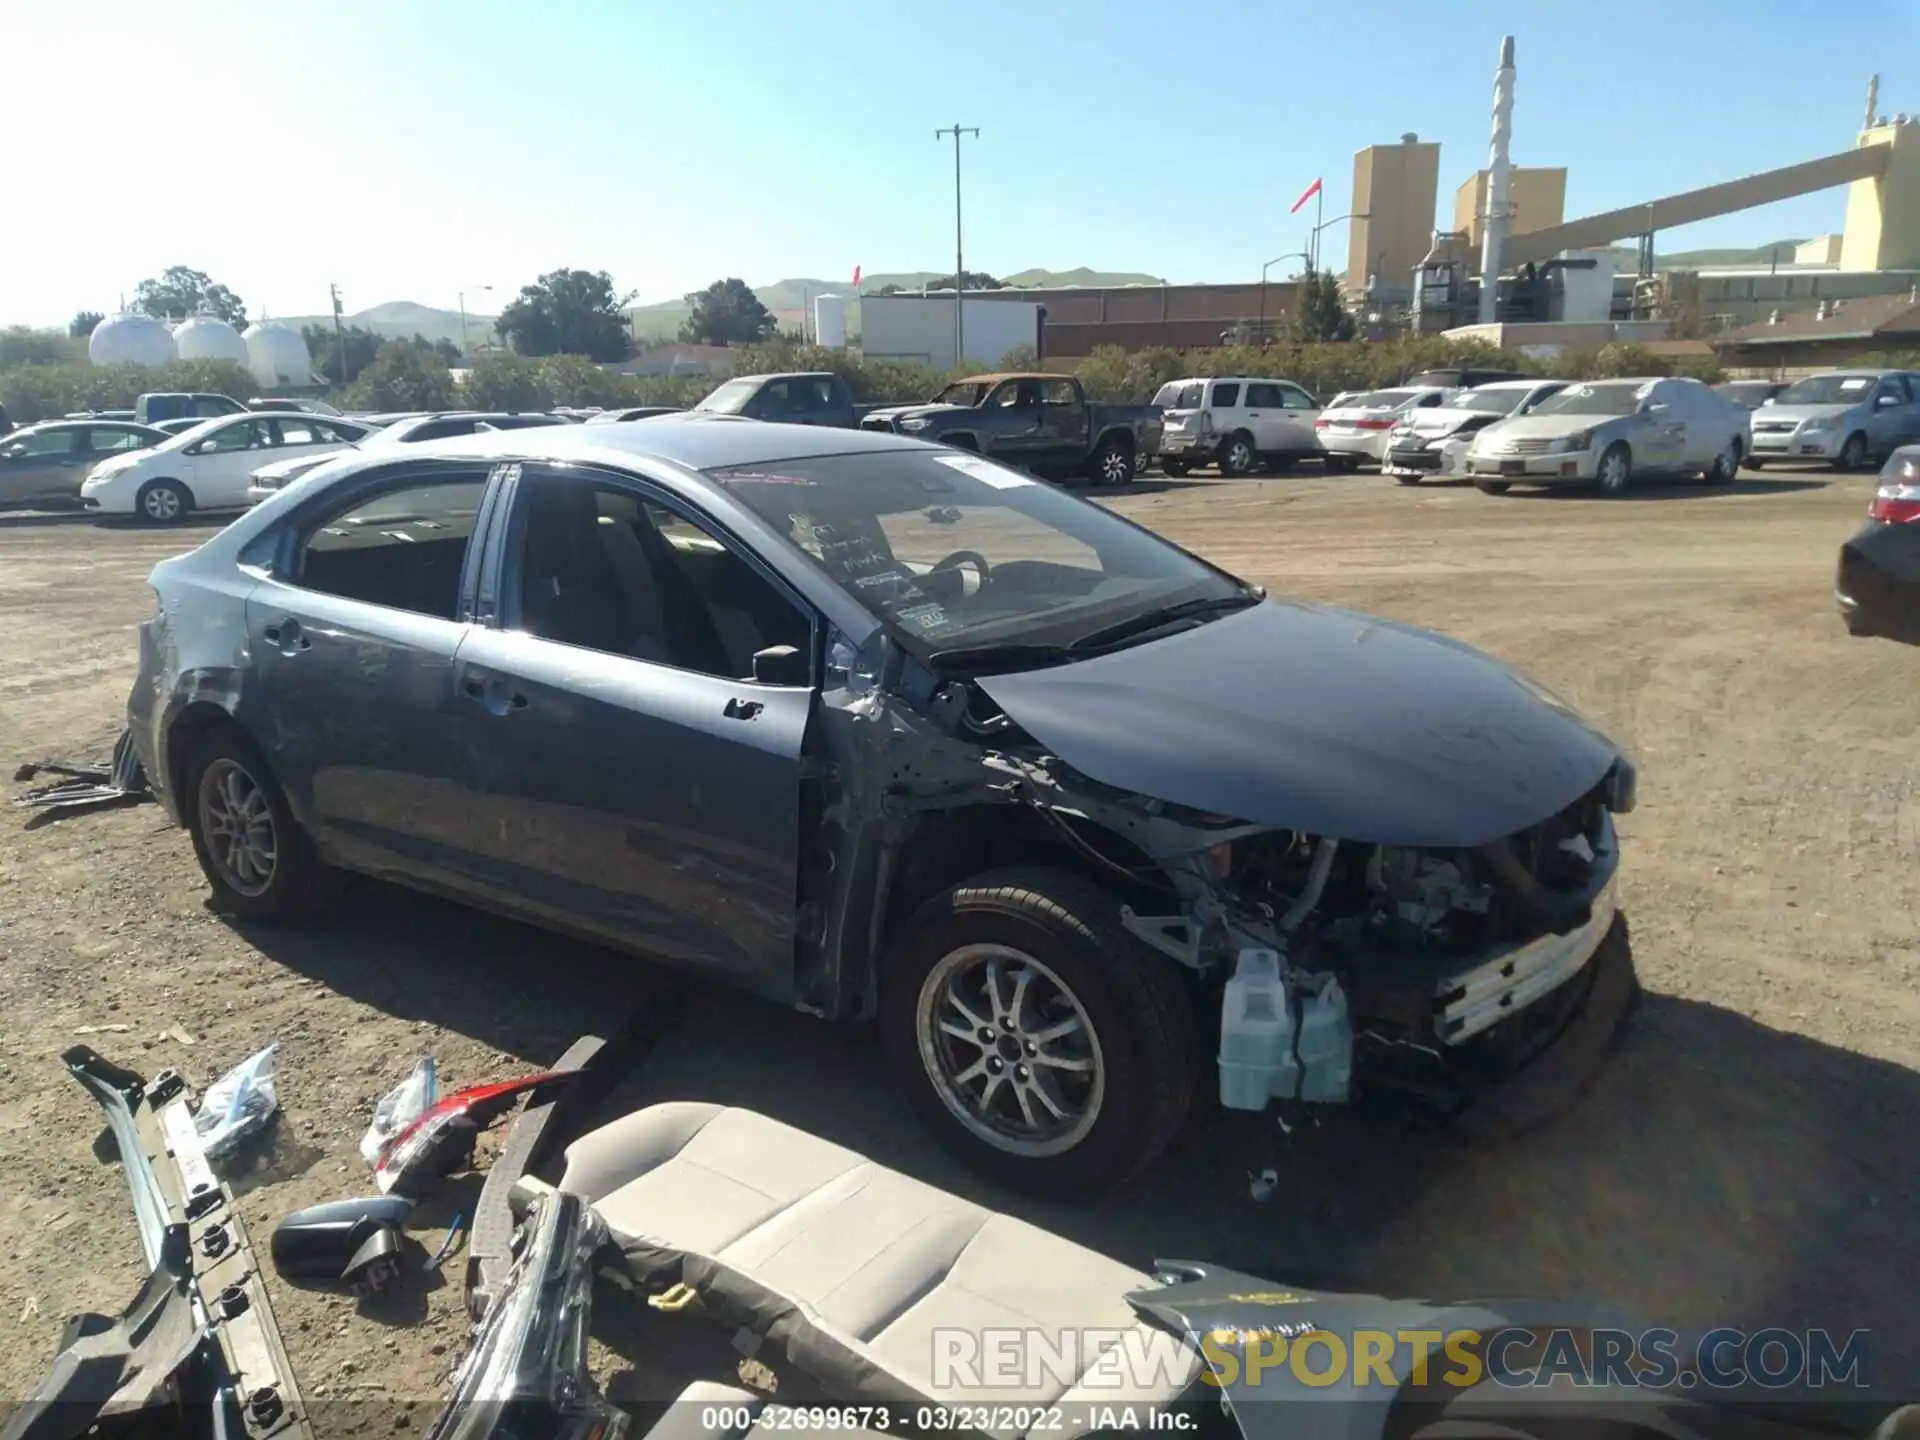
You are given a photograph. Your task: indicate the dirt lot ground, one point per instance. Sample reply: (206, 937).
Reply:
(1748, 1158)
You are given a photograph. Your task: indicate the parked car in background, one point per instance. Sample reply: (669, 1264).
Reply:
(1845, 418)
(380, 419)
(46, 463)
(152, 408)
(821, 398)
(99, 415)
(208, 467)
(1462, 377)
(296, 403)
(632, 412)
(1750, 393)
(1432, 443)
(881, 730)
(1357, 431)
(1878, 582)
(1235, 422)
(1607, 433)
(277, 475)
(181, 424)
(1043, 423)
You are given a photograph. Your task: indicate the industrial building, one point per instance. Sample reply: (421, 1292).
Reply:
(1077, 319)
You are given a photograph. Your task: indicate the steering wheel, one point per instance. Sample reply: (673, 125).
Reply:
(966, 557)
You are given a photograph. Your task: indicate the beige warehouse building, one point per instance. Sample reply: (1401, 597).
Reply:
(1537, 193)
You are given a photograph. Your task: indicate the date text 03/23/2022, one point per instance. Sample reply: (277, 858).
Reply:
(1028, 1419)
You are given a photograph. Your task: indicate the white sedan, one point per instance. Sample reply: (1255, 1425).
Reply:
(1357, 430)
(207, 467)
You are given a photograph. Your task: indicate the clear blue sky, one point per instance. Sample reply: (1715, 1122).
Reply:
(410, 150)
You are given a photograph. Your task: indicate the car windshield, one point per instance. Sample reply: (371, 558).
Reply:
(1591, 400)
(1745, 392)
(1827, 390)
(731, 398)
(1382, 400)
(1488, 402)
(963, 392)
(953, 550)
(1178, 395)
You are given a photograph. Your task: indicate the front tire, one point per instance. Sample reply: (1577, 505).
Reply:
(1615, 472)
(1493, 487)
(1044, 1046)
(162, 502)
(1408, 479)
(1237, 455)
(1726, 465)
(260, 863)
(1853, 454)
(1341, 464)
(1177, 469)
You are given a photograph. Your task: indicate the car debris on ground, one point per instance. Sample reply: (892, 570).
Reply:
(88, 785)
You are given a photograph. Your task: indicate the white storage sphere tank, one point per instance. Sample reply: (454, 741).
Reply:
(277, 355)
(205, 337)
(130, 340)
(830, 322)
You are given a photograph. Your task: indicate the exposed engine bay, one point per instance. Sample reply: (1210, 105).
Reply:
(1426, 952)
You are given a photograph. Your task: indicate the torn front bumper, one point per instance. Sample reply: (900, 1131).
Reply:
(197, 1352)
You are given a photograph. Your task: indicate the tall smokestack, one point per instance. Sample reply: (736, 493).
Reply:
(1493, 231)
(1873, 101)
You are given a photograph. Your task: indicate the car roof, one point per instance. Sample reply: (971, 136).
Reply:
(40, 426)
(1513, 384)
(692, 443)
(786, 375)
(995, 377)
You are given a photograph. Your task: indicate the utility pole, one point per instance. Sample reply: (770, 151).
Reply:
(339, 335)
(959, 265)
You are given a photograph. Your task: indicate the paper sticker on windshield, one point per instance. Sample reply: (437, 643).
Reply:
(998, 476)
(1858, 382)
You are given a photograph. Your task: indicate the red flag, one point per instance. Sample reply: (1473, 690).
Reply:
(856, 277)
(1305, 195)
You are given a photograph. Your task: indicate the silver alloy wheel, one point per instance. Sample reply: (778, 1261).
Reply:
(1615, 469)
(1726, 465)
(1116, 466)
(1853, 454)
(236, 824)
(1141, 459)
(161, 502)
(1010, 1050)
(1238, 458)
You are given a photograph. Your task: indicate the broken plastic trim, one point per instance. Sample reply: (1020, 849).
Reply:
(526, 1374)
(442, 1139)
(89, 785)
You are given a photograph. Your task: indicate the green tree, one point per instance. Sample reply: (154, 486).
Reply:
(403, 377)
(180, 292)
(1319, 314)
(83, 324)
(323, 349)
(727, 312)
(568, 312)
(22, 346)
(505, 382)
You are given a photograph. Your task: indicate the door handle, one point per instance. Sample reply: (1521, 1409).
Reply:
(491, 696)
(738, 709)
(287, 637)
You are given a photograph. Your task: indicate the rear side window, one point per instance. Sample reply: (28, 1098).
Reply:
(1263, 397)
(108, 442)
(47, 443)
(1226, 394)
(1294, 398)
(1175, 396)
(402, 548)
(297, 432)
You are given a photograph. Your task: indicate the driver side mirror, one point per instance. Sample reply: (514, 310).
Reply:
(780, 665)
(1886, 400)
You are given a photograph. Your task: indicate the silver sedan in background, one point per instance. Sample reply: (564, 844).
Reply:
(1607, 433)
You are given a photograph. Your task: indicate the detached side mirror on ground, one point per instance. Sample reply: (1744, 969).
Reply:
(780, 665)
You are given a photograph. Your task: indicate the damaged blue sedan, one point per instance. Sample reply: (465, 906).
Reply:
(888, 731)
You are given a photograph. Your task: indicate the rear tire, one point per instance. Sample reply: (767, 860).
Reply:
(260, 863)
(1178, 469)
(162, 502)
(1237, 455)
(1112, 463)
(1125, 1047)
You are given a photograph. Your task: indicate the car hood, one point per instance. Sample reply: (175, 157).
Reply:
(1317, 719)
(1547, 427)
(1798, 413)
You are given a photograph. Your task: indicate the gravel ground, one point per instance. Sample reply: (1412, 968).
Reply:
(1748, 1157)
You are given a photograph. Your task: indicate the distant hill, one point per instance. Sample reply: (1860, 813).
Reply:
(1707, 259)
(403, 319)
(789, 299)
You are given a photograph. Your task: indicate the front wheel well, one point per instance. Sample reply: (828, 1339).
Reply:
(948, 847)
(961, 442)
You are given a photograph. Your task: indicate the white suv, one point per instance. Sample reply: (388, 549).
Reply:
(1235, 422)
